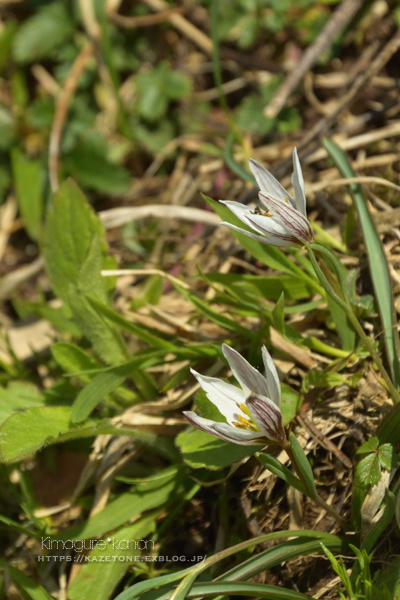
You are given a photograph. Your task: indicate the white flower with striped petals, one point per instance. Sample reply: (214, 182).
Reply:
(284, 222)
(252, 411)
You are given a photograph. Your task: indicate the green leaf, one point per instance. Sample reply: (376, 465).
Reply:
(156, 88)
(70, 228)
(389, 428)
(89, 164)
(73, 359)
(368, 470)
(200, 449)
(26, 586)
(18, 396)
(74, 254)
(103, 384)
(368, 446)
(377, 262)
(343, 326)
(98, 578)
(46, 30)
(274, 466)
(29, 178)
(303, 464)
(386, 456)
(128, 505)
(28, 431)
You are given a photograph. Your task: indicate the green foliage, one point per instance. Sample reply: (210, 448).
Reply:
(42, 33)
(29, 178)
(159, 87)
(378, 457)
(75, 253)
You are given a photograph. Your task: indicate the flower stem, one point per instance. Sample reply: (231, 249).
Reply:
(317, 499)
(324, 274)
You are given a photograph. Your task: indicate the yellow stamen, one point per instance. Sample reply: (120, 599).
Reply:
(287, 201)
(267, 214)
(244, 409)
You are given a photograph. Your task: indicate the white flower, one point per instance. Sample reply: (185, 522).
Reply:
(252, 411)
(284, 223)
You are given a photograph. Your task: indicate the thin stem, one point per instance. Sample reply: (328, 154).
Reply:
(392, 389)
(325, 276)
(317, 499)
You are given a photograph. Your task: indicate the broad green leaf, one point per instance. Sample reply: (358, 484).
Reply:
(26, 586)
(303, 464)
(387, 457)
(274, 466)
(73, 359)
(29, 179)
(103, 384)
(389, 429)
(368, 446)
(157, 87)
(27, 432)
(368, 470)
(98, 578)
(200, 449)
(74, 253)
(377, 262)
(71, 226)
(322, 379)
(47, 29)
(18, 396)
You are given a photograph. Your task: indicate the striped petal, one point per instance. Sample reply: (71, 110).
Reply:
(289, 216)
(270, 240)
(271, 374)
(267, 417)
(298, 184)
(251, 380)
(267, 183)
(223, 431)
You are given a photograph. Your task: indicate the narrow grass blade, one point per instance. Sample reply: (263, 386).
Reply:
(377, 263)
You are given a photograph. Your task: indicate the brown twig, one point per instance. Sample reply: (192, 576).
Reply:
(62, 110)
(343, 14)
(144, 20)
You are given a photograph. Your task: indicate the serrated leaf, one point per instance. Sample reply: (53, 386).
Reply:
(46, 30)
(74, 254)
(386, 456)
(368, 470)
(368, 446)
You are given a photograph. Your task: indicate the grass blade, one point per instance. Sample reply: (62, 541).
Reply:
(377, 263)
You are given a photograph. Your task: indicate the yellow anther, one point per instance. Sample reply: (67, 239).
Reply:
(287, 201)
(243, 420)
(267, 214)
(244, 409)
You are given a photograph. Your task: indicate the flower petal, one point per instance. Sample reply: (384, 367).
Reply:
(292, 218)
(272, 226)
(267, 417)
(225, 396)
(298, 184)
(267, 183)
(249, 378)
(274, 386)
(223, 431)
(271, 240)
